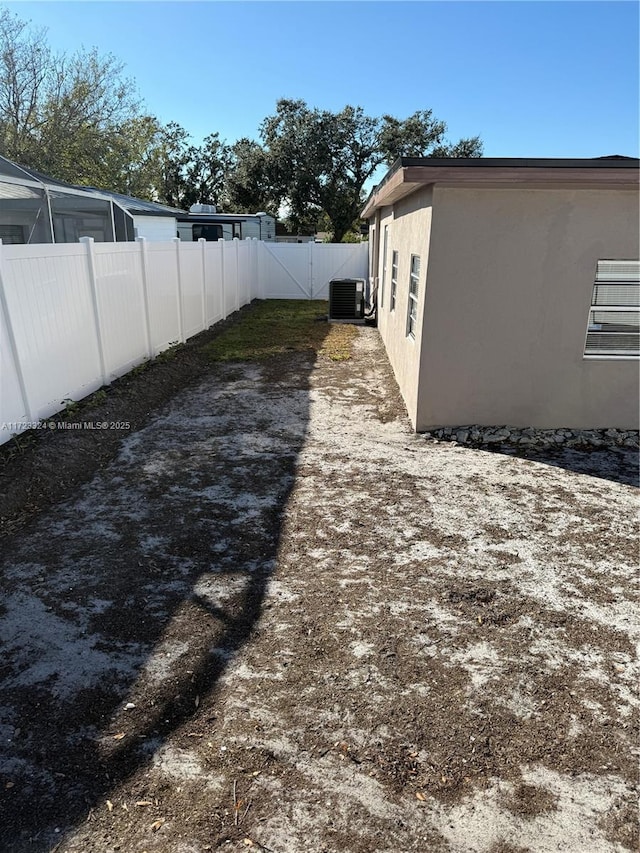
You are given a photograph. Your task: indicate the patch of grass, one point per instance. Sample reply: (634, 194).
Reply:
(140, 368)
(171, 352)
(337, 344)
(18, 445)
(272, 327)
(70, 407)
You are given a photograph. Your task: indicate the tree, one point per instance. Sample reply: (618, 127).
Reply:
(191, 174)
(175, 159)
(86, 108)
(73, 116)
(206, 172)
(133, 162)
(249, 181)
(320, 160)
(413, 137)
(25, 63)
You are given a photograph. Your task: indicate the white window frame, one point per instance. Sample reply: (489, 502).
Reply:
(613, 325)
(412, 302)
(394, 281)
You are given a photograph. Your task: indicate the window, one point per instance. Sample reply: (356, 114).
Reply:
(412, 310)
(614, 317)
(384, 264)
(394, 281)
(211, 233)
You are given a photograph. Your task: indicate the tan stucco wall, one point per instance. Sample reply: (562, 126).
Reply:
(409, 228)
(509, 284)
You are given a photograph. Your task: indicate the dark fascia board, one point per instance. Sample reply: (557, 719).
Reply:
(615, 162)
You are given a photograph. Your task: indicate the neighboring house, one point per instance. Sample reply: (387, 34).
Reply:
(35, 208)
(508, 290)
(284, 236)
(157, 222)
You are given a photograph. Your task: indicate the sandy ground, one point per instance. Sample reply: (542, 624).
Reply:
(277, 620)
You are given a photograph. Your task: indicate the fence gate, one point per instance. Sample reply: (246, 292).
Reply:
(304, 270)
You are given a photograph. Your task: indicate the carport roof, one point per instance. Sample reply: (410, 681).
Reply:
(409, 173)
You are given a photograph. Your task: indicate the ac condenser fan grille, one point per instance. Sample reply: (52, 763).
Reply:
(345, 300)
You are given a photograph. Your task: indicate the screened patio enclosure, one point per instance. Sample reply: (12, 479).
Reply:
(35, 208)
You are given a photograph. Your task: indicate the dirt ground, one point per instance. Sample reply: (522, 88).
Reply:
(270, 617)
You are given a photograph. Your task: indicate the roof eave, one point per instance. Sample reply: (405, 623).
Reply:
(408, 178)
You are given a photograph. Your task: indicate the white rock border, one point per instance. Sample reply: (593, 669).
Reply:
(589, 439)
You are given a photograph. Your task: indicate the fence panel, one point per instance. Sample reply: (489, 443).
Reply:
(256, 272)
(214, 308)
(337, 260)
(230, 256)
(14, 407)
(243, 248)
(49, 301)
(74, 316)
(119, 281)
(304, 270)
(192, 288)
(286, 270)
(162, 284)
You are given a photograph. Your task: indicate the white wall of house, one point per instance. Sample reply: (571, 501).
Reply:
(408, 228)
(156, 229)
(508, 290)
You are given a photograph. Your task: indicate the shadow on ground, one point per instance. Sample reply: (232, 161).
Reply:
(617, 464)
(123, 605)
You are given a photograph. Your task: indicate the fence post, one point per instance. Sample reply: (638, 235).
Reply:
(253, 269)
(176, 241)
(237, 263)
(144, 261)
(311, 245)
(203, 255)
(93, 283)
(223, 294)
(13, 346)
(260, 250)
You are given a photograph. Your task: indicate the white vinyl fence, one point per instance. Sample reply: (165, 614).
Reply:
(75, 316)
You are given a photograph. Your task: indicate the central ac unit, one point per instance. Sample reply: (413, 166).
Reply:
(346, 300)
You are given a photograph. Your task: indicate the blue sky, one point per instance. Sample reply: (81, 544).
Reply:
(545, 79)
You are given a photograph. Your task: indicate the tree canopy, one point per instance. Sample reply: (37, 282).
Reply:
(77, 118)
(74, 116)
(321, 160)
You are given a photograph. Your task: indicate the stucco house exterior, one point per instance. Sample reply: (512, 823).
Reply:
(508, 290)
